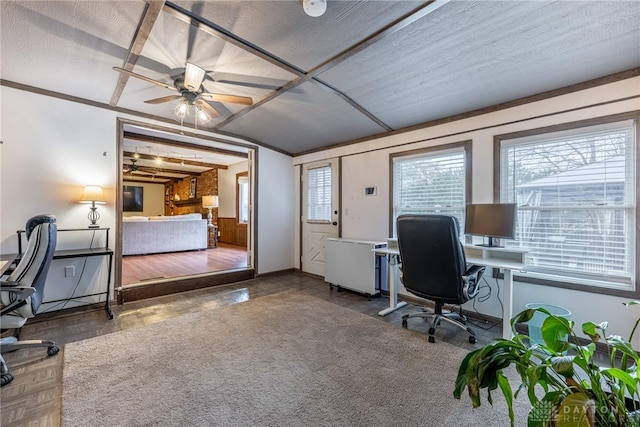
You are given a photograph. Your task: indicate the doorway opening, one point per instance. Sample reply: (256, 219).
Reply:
(177, 219)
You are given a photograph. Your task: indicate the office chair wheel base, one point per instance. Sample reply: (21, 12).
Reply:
(472, 339)
(52, 350)
(6, 379)
(432, 331)
(404, 323)
(432, 338)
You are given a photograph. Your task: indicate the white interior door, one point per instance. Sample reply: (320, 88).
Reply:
(320, 212)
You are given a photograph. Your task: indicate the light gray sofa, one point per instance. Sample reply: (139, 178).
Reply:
(150, 235)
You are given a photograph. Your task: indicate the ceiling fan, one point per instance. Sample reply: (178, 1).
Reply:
(132, 167)
(191, 93)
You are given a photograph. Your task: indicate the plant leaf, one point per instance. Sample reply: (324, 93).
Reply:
(554, 331)
(576, 410)
(563, 365)
(508, 395)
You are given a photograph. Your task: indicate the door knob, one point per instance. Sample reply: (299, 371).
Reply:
(334, 223)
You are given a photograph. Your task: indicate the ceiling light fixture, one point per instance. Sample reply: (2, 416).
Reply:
(184, 107)
(314, 8)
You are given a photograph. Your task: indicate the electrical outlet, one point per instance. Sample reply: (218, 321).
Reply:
(69, 271)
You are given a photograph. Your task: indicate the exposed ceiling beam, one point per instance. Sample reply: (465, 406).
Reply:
(150, 15)
(163, 171)
(174, 160)
(134, 178)
(173, 143)
(217, 31)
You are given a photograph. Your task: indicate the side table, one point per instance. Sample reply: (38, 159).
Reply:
(212, 236)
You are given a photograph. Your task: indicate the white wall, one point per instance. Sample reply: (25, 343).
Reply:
(227, 189)
(276, 211)
(367, 164)
(52, 148)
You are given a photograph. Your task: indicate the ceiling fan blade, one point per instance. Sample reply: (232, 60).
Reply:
(145, 78)
(233, 99)
(212, 112)
(193, 76)
(163, 99)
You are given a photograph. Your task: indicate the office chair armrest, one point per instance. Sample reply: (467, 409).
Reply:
(471, 280)
(21, 294)
(474, 270)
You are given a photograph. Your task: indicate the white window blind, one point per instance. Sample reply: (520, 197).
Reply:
(243, 199)
(576, 199)
(432, 182)
(319, 197)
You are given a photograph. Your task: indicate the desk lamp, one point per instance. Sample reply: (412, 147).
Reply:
(93, 194)
(209, 202)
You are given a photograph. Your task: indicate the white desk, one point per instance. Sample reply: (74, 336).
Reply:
(391, 254)
(506, 259)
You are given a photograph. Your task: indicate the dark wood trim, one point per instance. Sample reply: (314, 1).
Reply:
(184, 131)
(151, 12)
(624, 75)
(468, 156)
(275, 273)
(150, 290)
(631, 115)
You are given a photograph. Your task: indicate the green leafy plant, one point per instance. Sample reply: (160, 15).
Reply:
(563, 383)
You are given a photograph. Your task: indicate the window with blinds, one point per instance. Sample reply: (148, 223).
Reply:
(430, 182)
(576, 199)
(243, 199)
(319, 194)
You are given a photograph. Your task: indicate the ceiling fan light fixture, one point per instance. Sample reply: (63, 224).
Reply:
(181, 110)
(314, 8)
(193, 76)
(203, 116)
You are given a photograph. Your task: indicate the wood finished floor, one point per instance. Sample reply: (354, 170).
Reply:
(140, 268)
(34, 396)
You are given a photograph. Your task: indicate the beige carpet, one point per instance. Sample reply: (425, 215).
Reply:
(281, 360)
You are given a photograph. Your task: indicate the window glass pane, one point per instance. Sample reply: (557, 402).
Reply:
(243, 199)
(319, 197)
(576, 198)
(432, 182)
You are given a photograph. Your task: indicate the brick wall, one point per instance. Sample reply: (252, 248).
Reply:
(206, 185)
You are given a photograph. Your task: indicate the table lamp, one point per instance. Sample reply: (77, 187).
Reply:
(93, 194)
(209, 202)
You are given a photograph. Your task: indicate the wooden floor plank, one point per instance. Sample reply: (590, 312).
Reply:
(140, 268)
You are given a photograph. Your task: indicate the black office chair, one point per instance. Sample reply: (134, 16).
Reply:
(22, 293)
(434, 267)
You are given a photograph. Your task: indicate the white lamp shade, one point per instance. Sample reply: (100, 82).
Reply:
(92, 193)
(314, 8)
(210, 201)
(193, 76)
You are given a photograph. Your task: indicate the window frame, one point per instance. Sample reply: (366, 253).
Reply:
(307, 207)
(466, 147)
(576, 126)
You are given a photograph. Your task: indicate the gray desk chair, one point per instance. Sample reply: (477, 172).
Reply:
(22, 293)
(434, 267)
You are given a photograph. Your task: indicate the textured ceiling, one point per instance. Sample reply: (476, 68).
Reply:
(363, 68)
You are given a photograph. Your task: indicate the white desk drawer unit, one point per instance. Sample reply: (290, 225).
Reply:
(351, 264)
